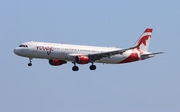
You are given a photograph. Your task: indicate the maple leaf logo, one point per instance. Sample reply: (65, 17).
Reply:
(143, 40)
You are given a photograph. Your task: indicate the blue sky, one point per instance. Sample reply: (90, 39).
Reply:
(147, 86)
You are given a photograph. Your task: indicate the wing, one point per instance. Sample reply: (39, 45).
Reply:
(98, 56)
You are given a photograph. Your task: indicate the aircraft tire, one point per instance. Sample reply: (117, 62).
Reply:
(29, 64)
(92, 67)
(75, 68)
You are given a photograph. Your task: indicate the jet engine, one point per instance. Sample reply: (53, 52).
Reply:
(82, 59)
(56, 62)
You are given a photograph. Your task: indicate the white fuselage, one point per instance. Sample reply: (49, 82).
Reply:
(67, 52)
(59, 54)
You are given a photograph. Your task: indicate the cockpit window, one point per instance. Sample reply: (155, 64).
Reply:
(23, 46)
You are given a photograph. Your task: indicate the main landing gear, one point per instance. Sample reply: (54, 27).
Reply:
(92, 67)
(76, 68)
(30, 62)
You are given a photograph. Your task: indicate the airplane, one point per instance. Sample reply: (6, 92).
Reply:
(60, 53)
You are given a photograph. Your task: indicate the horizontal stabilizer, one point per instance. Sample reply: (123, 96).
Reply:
(145, 56)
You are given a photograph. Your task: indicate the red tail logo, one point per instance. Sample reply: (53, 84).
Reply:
(143, 40)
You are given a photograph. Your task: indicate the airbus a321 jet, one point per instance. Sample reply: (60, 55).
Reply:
(59, 54)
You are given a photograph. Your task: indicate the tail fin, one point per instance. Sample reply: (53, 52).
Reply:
(144, 40)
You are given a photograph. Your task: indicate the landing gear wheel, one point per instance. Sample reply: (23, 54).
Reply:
(75, 68)
(92, 67)
(29, 64)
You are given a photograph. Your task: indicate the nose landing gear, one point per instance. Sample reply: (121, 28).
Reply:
(30, 62)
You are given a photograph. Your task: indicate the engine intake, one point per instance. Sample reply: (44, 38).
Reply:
(56, 62)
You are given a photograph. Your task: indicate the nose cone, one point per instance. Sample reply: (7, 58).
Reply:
(16, 51)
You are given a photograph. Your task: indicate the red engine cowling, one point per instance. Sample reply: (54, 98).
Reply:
(82, 59)
(56, 62)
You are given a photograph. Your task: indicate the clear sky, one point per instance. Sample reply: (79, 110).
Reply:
(147, 86)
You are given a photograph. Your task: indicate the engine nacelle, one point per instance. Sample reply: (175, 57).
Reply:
(56, 62)
(82, 59)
